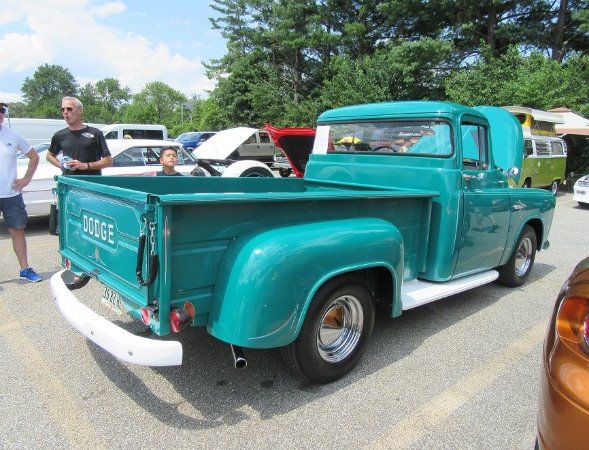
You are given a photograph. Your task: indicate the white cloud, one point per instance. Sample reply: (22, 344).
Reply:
(71, 35)
(108, 9)
(21, 52)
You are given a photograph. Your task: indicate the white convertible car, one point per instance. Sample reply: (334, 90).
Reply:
(130, 157)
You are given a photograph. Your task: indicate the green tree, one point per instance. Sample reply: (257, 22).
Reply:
(44, 90)
(156, 103)
(18, 109)
(412, 70)
(535, 81)
(104, 101)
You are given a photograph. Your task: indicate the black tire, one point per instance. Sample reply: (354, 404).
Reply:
(257, 172)
(527, 184)
(285, 173)
(554, 187)
(583, 205)
(518, 268)
(335, 333)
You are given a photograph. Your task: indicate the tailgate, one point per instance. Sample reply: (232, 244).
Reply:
(100, 229)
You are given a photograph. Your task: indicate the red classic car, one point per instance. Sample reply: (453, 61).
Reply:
(296, 144)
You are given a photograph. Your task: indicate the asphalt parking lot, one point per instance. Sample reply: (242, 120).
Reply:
(458, 373)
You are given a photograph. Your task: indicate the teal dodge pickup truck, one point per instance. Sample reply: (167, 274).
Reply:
(401, 204)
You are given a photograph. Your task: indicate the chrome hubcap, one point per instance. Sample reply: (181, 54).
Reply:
(340, 328)
(523, 257)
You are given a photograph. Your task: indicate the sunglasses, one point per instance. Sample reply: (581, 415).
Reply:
(3, 110)
(68, 109)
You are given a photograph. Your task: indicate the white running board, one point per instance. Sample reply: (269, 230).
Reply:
(416, 293)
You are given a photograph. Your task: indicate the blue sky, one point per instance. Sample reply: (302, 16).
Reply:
(134, 41)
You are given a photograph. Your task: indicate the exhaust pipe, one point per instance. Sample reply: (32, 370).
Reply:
(238, 359)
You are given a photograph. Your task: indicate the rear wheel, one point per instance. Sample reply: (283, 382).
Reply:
(521, 261)
(584, 205)
(527, 183)
(335, 333)
(257, 172)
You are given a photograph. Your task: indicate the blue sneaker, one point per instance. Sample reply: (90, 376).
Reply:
(31, 275)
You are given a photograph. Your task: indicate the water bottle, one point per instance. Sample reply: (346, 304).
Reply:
(65, 162)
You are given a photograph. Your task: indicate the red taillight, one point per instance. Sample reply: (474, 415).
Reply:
(146, 315)
(180, 317)
(68, 264)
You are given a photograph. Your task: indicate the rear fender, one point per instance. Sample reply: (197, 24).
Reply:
(268, 280)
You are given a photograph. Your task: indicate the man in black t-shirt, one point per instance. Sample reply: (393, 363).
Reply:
(83, 148)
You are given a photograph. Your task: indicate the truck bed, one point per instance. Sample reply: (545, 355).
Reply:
(197, 221)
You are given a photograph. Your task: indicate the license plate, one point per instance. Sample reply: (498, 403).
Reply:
(580, 192)
(112, 300)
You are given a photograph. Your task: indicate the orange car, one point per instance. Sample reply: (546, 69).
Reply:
(563, 415)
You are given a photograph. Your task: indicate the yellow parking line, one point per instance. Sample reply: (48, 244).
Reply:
(413, 428)
(73, 423)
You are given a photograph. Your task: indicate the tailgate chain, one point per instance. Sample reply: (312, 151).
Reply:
(153, 259)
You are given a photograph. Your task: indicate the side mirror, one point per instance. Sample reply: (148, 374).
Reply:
(513, 171)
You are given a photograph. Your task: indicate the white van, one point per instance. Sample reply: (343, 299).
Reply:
(135, 131)
(38, 131)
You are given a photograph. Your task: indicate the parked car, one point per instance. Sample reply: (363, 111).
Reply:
(563, 414)
(141, 157)
(233, 151)
(192, 139)
(295, 145)
(581, 191)
(282, 163)
(238, 144)
(134, 131)
(38, 195)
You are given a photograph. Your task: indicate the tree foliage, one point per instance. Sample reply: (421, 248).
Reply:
(287, 61)
(43, 91)
(534, 81)
(156, 103)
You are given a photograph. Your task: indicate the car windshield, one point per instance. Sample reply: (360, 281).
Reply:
(187, 136)
(424, 137)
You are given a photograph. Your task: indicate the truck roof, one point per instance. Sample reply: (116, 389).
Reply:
(403, 109)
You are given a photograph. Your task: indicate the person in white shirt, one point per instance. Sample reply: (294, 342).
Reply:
(12, 205)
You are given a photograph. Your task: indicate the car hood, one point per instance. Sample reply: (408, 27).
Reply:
(222, 144)
(296, 143)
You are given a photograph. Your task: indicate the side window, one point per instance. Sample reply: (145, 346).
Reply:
(474, 146)
(557, 148)
(111, 135)
(264, 138)
(153, 134)
(130, 157)
(528, 148)
(251, 139)
(543, 148)
(152, 156)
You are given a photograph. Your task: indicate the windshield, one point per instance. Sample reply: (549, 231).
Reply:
(188, 136)
(424, 137)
